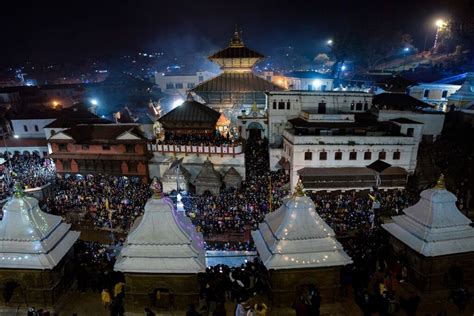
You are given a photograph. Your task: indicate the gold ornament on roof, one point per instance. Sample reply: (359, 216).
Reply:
(299, 189)
(440, 184)
(155, 187)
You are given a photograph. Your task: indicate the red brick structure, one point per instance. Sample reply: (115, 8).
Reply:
(115, 149)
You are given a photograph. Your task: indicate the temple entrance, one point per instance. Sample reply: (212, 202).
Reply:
(162, 298)
(254, 131)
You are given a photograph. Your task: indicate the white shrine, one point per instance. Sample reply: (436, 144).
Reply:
(297, 246)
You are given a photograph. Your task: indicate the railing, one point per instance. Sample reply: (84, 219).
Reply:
(196, 149)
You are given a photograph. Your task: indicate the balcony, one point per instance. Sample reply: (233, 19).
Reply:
(197, 149)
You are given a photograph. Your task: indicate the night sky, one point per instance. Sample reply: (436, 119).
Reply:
(34, 30)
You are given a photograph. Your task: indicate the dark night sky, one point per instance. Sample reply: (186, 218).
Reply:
(71, 29)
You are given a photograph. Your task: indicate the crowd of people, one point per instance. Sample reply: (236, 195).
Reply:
(242, 209)
(29, 170)
(110, 202)
(230, 246)
(244, 285)
(351, 211)
(215, 139)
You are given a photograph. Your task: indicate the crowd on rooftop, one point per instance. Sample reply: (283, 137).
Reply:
(194, 139)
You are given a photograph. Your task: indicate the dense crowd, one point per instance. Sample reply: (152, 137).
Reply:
(351, 211)
(215, 139)
(244, 285)
(230, 246)
(242, 209)
(29, 170)
(111, 202)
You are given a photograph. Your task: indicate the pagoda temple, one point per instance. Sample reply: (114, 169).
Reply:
(163, 254)
(433, 237)
(298, 248)
(35, 252)
(236, 88)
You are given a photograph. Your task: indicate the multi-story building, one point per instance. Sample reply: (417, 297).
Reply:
(179, 84)
(436, 94)
(305, 80)
(284, 105)
(115, 149)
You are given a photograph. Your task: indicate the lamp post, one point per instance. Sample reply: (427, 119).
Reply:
(440, 24)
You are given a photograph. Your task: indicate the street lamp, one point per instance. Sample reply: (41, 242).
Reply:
(94, 102)
(440, 24)
(329, 42)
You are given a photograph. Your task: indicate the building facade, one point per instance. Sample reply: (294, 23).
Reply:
(180, 84)
(115, 149)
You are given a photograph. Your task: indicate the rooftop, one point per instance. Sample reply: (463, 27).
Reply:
(91, 133)
(236, 82)
(190, 112)
(398, 101)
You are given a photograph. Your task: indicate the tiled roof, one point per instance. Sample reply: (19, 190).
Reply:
(236, 82)
(398, 101)
(190, 112)
(236, 52)
(65, 122)
(101, 132)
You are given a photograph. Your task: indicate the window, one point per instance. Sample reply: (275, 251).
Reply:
(352, 105)
(396, 155)
(359, 106)
(274, 105)
(367, 155)
(444, 95)
(36, 128)
(201, 78)
(53, 132)
(85, 147)
(62, 147)
(322, 107)
(106, 147)
(410, 131)
(178, 85)
(382, 155)
(323, 155)
(25, 128)
(66, 164)
(426, 93)
(169, 86)
(190, 85)
(308, 155)
(353, 155)
(281, 105)
(366, 106)
(129, 148)
(310, 87)
(338, 156)
(288, 105)
(132, 166)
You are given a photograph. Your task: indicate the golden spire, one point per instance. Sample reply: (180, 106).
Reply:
(440, 184)
(254, 107)
(299, 189)
(155, 187)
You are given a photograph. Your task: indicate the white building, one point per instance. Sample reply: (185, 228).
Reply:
(179, 84)
(285, 105)
(305, 80)
(436, 94)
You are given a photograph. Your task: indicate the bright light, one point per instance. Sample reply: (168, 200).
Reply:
(55, 103)
(317, 83)
(440, 23)
(343, 67)
(94, 102)
(177, 102)
(16, 136)
(406, 49)
(329, 42)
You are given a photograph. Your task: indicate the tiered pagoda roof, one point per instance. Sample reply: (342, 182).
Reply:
(31, 238)
(434, 226)
(296, 237)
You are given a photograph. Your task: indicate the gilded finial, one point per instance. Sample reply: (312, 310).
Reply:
(155, 187)
(254, 107)
(440, 184)
(18, 191)
(299, 189)
(236, 40)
